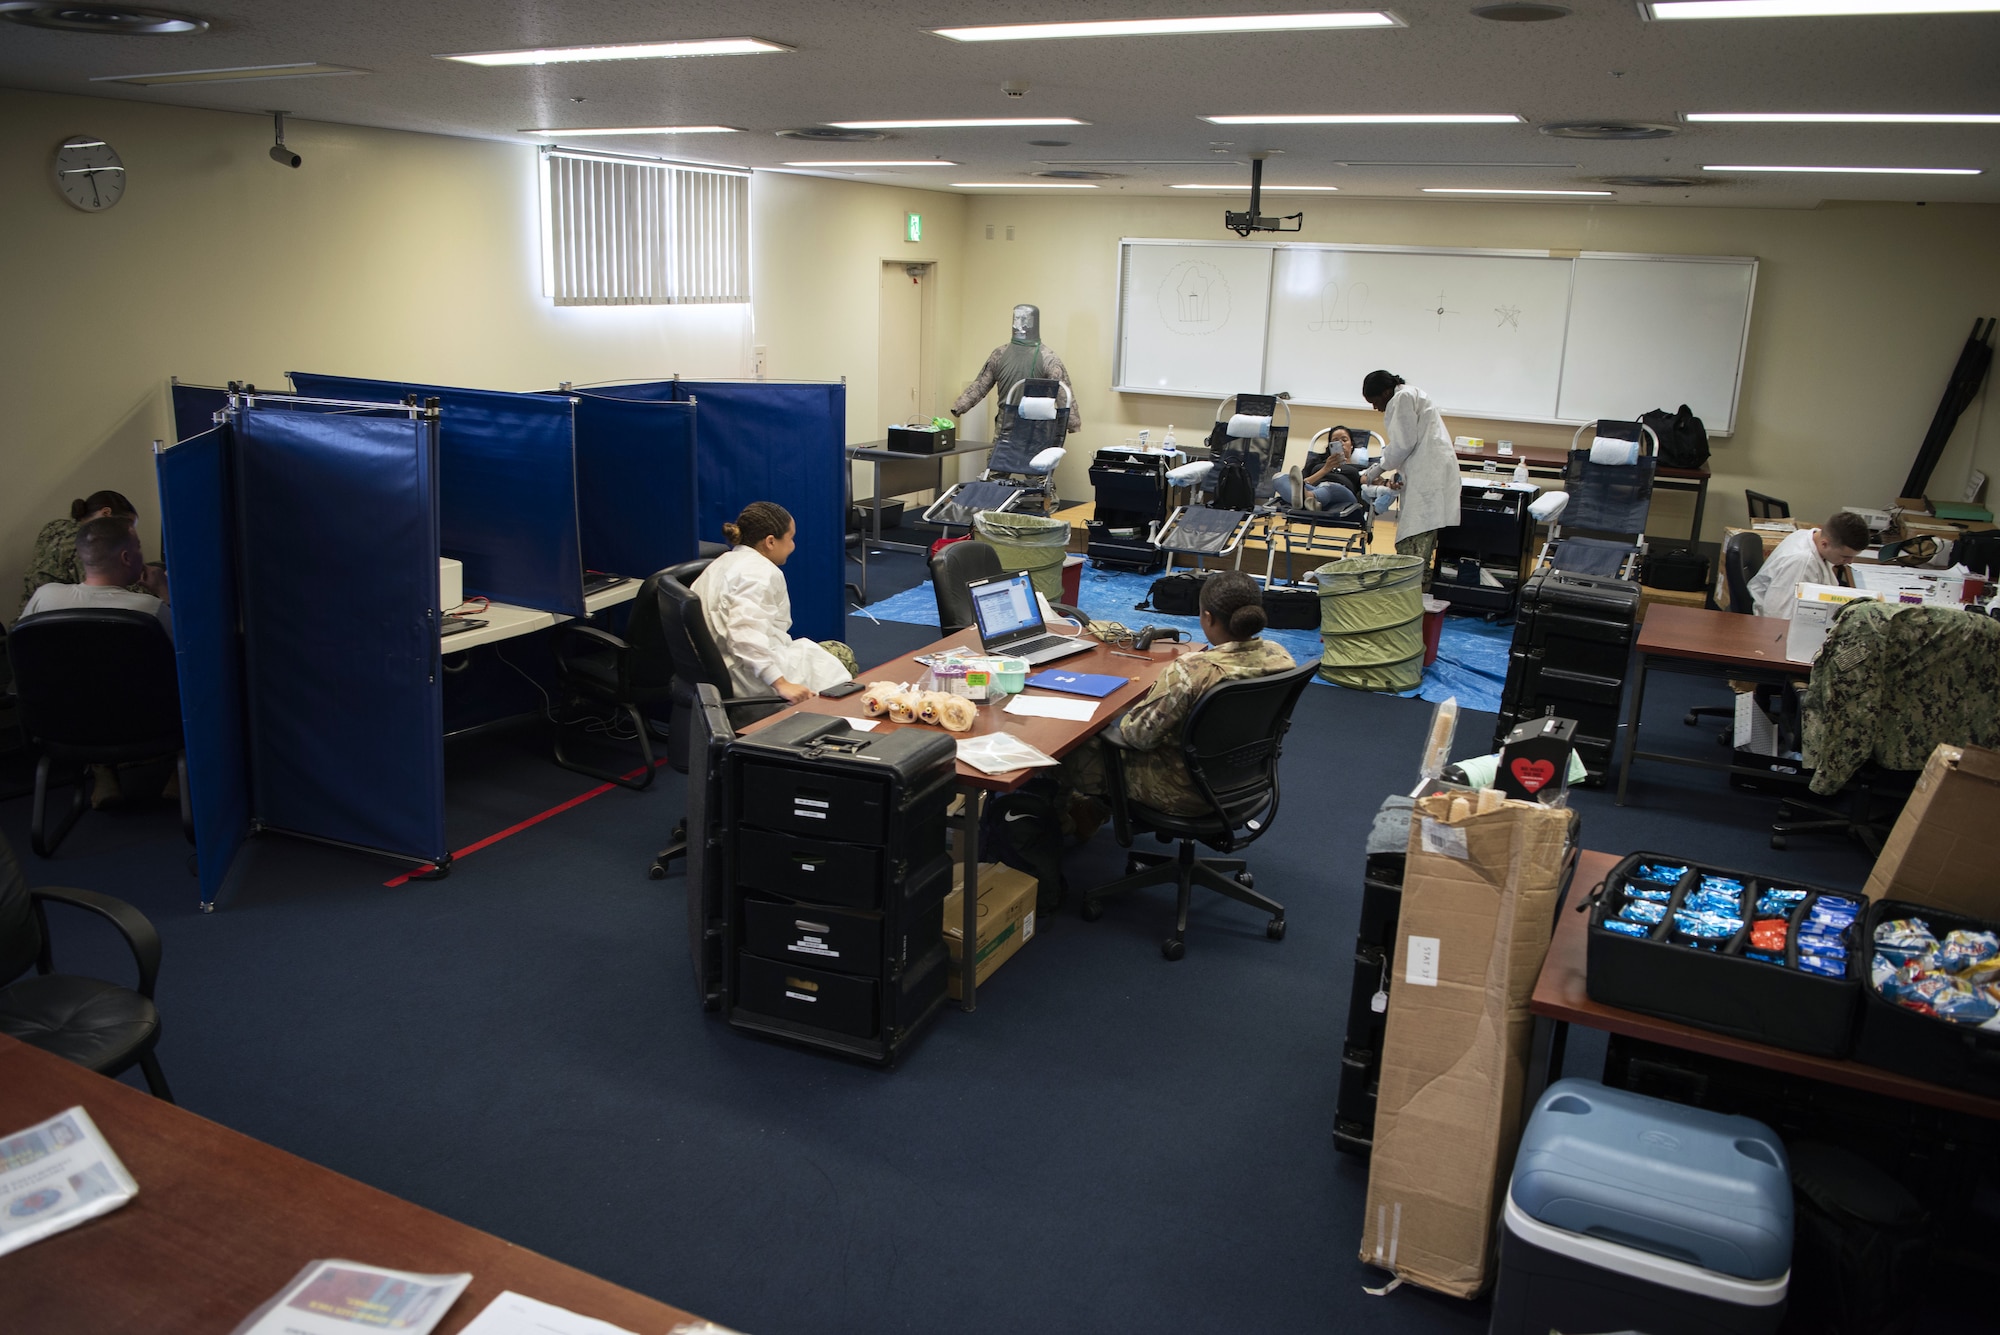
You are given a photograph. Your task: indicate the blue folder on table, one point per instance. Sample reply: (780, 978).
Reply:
(1093, 684)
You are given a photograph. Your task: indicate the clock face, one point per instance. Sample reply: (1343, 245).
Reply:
(88, 173)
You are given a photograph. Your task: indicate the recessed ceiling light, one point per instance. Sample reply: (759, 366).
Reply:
(975, 123)
(1808, 9)
(1421, 118)
(1865, 171)
(641, 129)
(1022, 185)
(111, 20)
(1483, 190)
(1029, 32)
(561, 55)
(883, 162)
(1520, 11)
(239, 74)
(1846, 117)
(1239, 187)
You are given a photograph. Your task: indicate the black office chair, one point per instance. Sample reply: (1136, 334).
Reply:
(953, 571)
(697, 662)
(631, 674)
(94, 1023)
(97, 686)
(1766, 507)
(1742, 558)
(1231, 744)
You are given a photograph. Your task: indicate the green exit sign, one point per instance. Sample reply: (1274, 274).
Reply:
(913, 227)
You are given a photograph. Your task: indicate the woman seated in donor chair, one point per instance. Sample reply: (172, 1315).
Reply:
(1330, 481)
(1232, 617)
(749, 612)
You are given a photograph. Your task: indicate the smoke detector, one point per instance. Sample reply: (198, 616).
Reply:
(1608, 130)
(112, 20)
(827, 134)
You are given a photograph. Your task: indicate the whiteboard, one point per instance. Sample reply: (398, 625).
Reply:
(1192, 318)
(1657, 331)
(1482, 332)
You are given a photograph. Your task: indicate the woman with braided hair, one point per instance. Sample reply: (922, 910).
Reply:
(749, 611)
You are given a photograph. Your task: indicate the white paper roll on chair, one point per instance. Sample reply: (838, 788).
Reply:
(1242, 426)
(1618, 452)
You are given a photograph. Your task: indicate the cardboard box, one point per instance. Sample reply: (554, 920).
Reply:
(1006, 920)
(1649, 596)
(1479, 898)
(1812, 616)
(1942, 850)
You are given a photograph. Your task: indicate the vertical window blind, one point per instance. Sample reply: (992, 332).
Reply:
(632, 232)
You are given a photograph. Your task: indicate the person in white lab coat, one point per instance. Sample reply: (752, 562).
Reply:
(749, 611)
(1416, 445)
(1808, 556)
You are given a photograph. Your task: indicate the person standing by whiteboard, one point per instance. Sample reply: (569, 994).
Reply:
(1415, 445)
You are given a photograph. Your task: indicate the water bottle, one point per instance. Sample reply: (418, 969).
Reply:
(1167, 441)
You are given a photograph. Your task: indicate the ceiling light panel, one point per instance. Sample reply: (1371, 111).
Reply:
(1396, 118)
(640, 129)
(1860, 171)
(1484, 190)
(884, 162)
(562, 55)
(236, 74)
(977, 123)
(1227, 23)
(1809, 9)
(1845, 117)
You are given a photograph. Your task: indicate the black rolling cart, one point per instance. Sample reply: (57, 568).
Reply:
(1374, 958)
(1572, 642)
(1131, 488)
(837, 872)
(1492, 536)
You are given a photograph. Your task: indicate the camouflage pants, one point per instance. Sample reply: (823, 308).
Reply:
(844, 654)
(1423, 546)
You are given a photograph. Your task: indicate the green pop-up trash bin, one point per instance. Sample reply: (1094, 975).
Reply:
(1371, 611)
(1034, 543)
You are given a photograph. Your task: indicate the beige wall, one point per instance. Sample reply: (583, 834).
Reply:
(1860, 314)
(387, 254)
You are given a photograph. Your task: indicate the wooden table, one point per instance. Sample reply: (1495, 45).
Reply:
(1055, 737)
(223, 1222)
(1561, 998)
(1703, 642)
(1548, 461)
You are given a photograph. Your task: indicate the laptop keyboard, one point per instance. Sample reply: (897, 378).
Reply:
(1037, 645)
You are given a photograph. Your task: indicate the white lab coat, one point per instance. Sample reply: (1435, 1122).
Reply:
(1415, 444)
(1794, 561)
(749, 612)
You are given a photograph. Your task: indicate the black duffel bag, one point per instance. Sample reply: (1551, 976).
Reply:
(1683, 439)
(1674, 567)
(1178, 594)
(1291, 609)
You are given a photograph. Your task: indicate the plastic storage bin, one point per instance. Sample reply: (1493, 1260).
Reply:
(1631, 1213)
(1929, 1047)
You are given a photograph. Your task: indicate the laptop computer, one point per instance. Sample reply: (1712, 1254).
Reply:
(1010, 621)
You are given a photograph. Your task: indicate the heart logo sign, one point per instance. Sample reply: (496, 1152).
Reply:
(1533, 775)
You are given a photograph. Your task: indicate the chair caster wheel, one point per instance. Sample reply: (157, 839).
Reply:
(1132, 863)
(657, 872)
(1778, 841)
(1692, 720)
(1246, 880)
(1173, 947)
(1090, 911)
(1275, 929)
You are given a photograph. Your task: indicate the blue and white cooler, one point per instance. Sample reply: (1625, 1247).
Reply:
(1629, 1213)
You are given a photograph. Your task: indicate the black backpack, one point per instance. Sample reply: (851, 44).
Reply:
(1176, 595)
(1860, 1243)
(1683, 439)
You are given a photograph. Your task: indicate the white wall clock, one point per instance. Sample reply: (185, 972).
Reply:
(89, 173)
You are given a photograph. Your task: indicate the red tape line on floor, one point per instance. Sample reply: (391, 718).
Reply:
(512, 830)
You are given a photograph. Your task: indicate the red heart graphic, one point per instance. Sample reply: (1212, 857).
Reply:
(1533, 775)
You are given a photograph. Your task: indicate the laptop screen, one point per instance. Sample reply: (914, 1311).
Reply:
(1005, 608)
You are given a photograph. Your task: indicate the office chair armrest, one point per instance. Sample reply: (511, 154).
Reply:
(763, 703)
(133, 925)
(578, 630)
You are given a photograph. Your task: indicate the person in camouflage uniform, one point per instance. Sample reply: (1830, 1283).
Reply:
(1020, 358)
(54, 560)
(1232, 616)
(1892, 682)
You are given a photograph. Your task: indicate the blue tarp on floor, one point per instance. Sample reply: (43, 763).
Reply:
(1471, 662)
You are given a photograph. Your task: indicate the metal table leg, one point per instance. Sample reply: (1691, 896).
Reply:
(968, 941)
(1632, 729)
(1700, 500)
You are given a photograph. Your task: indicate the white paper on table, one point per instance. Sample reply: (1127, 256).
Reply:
(1051, 706)
(864, 724)
(56, 1174)
(347, 1298)
(517, 1314)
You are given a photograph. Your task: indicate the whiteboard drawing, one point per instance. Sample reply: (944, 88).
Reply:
(1510, 317)
(1343, 311)
(1441, 310)
(1194, 298)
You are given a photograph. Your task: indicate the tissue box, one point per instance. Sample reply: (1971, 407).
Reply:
(1813, 611)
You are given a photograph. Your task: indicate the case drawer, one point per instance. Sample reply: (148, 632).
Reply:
(805, 996)
(816, 870)
(813, 935)
(815, 801)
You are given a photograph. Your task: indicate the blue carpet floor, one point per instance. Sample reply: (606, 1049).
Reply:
(1471, 662)
(1111, 1143)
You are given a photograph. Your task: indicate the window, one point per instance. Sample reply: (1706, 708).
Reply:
(620, 231)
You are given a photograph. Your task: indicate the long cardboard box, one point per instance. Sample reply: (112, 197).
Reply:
(1006, 921)
(1945, 847)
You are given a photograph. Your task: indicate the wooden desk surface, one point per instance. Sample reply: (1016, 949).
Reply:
(1561, 994)
(1708, 636)
(223, 1222)
(1056, 737)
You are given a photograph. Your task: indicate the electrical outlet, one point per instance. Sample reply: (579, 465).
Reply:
(757, 361)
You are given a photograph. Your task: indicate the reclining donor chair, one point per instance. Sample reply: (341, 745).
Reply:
(1027, 446)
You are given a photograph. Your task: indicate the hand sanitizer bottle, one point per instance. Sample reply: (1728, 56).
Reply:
(1521, 473)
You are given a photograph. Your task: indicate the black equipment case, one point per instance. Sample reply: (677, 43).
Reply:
(1929, 1047)
(1722, 989)
(1680, 566)
(1131, 497)
(1493, 534)
(1572, 640)
(1374, 952)
(838, 869)
(922, 439)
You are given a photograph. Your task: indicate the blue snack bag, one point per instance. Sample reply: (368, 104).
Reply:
(1624, 928)
(1904, 939)
(1661, 873)
(1647, 892)
(1823, 966)
(1960, 950)
(1643, 910)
